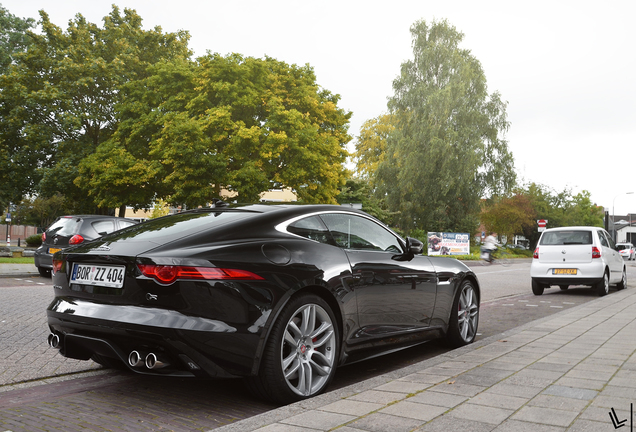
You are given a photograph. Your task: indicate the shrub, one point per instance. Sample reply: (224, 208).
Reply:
(34, 240)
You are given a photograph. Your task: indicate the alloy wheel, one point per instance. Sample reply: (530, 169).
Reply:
(308, 351)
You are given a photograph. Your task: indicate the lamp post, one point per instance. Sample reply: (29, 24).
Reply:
(613, 215)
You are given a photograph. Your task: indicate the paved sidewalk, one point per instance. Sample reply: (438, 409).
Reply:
(18, 270)
(573, 371)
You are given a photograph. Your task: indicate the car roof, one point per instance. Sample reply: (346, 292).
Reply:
(575, 228)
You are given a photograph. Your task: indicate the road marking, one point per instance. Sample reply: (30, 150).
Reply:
(568, 303)
(529, 305)
(558, 307)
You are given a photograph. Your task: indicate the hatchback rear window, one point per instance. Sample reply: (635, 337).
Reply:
(64, 227)
(566, 238)
(623, 247)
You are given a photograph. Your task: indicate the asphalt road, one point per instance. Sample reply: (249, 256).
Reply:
(42, 391)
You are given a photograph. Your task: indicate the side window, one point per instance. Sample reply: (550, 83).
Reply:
(311, 228)
(125, 224)
(610, 241)
(603, 238)
(356, 232)
(103, 226)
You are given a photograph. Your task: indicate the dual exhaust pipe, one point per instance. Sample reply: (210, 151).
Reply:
(150, 360)
(135, 358)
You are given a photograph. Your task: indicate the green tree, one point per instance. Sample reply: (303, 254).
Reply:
(447, 149)
(59, 97)
(371, 145)
(13, 37)
(509, 216)
(245, 125)
(41, 211)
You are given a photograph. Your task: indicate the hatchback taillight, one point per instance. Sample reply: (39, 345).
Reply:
(596, 253)
(43, 237)
(535, 255)
(76, 239)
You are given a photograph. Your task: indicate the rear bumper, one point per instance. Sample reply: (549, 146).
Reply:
(586, 273)
(187, 345)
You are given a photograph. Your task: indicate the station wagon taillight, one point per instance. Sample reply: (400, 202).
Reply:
(596, 253)
(76, 239)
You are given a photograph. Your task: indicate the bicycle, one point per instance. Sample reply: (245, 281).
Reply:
(499, 256)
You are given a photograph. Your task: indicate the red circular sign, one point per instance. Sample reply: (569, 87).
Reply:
(542, 222)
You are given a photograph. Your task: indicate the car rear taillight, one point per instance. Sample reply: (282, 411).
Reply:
(535, 255)
(57, 265)
(596, 253)
(43, 237)
(76, 239)
(167, 274)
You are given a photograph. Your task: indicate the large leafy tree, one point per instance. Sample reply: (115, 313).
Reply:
(245, 125)
(447, 150)
(59, 97)
(14, 164)
(371, 145)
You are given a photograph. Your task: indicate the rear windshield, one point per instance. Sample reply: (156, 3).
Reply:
(623, 247)
(64, 227)
(179, 225)
(566, 238)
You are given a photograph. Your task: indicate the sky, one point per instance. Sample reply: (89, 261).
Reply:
(565, 68)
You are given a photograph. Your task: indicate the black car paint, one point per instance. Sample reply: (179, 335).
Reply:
(185, 323)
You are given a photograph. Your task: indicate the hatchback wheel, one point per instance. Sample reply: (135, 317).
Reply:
(602, 287)
(623, 283)
(537, 288)
(464, 317)
(301, 354)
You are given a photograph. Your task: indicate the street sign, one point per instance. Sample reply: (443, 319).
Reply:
(542, 224)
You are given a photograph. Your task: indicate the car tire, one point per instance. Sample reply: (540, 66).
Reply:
(537, 288)
(301, 353)
(602, 287)
(564, 287)
(623, 283)
(44, 272)
(464, 317)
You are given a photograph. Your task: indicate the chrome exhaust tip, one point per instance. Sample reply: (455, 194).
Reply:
(54, 340)
(153, 362)
(135, 359)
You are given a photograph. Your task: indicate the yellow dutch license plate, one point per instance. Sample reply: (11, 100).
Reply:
(53, 250)
(564, 271)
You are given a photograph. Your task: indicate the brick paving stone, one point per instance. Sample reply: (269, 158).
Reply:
(352, 407)
(447, 423)
(415, 411)
(319, 420)
(558, 402)
(589, 426)
(498, 401)
(521, 426)
(481, 413)
(438, 399)
(375, 396)
(547, 416)
(379, 422)
(458, 388)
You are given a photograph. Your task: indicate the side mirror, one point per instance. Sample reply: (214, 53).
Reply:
(414, 246)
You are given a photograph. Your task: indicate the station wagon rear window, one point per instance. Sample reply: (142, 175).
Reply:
(566, 238)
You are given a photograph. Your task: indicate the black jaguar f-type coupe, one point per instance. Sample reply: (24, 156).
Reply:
(279, 294)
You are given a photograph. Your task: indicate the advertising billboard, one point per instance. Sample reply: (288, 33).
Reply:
(441, 243)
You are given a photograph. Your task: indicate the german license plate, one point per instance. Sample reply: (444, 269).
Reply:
(98, 275)
(53, 250)
(564, 271)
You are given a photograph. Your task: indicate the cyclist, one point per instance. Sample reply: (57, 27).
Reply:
(490, 246)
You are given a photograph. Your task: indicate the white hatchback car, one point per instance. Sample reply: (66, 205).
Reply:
(577, 256)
